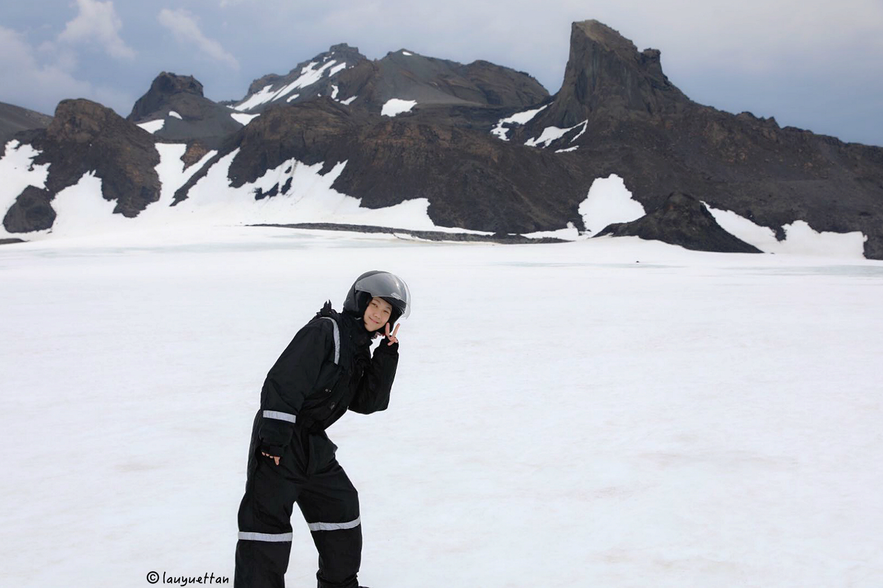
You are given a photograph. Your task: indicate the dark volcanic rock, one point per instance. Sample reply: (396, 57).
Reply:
(14, 119)
(201, 119)
(606, 73)
(307, 81)
(31, 211)
(682, 220)
(630, 120)
(470, 178)
(87, 137)
(438, 82)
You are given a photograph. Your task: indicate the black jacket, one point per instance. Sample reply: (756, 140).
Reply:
(306, 389)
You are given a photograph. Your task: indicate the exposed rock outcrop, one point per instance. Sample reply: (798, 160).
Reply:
(627, 118)
(87, 137)
(187, 114)
(14, 119)
(430, 82)
(682, 220)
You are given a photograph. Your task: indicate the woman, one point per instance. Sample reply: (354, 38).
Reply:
(326, 370)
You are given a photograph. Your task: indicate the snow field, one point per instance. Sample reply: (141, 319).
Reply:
(562, 415)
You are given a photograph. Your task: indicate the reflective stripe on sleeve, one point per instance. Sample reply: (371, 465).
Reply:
(335, 526)
(280, 416)
(270, 537)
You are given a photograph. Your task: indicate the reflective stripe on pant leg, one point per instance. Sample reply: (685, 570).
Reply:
(269, 537)
(335, 526)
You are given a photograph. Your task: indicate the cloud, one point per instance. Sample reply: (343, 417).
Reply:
(39, 86)
(97, 22)
(186, 30)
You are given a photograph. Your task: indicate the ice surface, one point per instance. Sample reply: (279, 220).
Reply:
(175, 114)
(800, 238)
(17, 172)
(516, 119)
(243, 118)
(153, 125)
(609, 201)
(397, 106)
(694, 419)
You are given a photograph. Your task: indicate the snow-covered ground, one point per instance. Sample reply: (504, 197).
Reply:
(608, 412)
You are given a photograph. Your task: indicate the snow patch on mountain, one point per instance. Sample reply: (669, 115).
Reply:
(608, 202)
(242, 118)
(568, 150)
(18, 171)
(81, 211)
(800, 237)
(172, 174)
(348, 101)
(174, 114)
(397, 106)
(152, 126)
(552, 134)
(519, 118)
(310, 74)
(309, 198)
(292, 97)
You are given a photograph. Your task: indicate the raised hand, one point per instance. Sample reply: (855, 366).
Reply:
(392, 336)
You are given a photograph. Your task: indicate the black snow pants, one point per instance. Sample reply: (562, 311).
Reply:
(309, 475)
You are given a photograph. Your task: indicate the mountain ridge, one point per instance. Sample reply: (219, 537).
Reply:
(490, 149)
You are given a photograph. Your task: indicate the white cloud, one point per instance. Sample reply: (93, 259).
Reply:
(186, 30)
(39, 86)
(97, 22)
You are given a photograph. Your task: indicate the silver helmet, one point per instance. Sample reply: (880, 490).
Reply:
(379, 284)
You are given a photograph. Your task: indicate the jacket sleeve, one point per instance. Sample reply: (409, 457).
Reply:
(374, 387)
(289, 381)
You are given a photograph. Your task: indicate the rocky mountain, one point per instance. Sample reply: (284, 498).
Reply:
(485, 146)
(625, 117)
(346, 76)
(14, 119)
(85, 137)
(176, 110)
(307, 81)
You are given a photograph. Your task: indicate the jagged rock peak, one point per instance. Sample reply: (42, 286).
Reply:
(606, 73)
(164, 87)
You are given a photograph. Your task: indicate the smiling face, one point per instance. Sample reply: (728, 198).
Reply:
(377, 314)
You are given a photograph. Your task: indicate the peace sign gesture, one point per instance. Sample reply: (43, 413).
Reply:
(392, 336)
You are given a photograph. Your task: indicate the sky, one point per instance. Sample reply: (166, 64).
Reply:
(813, 64)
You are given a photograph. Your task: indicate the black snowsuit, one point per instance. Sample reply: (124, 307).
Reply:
(325, 370)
